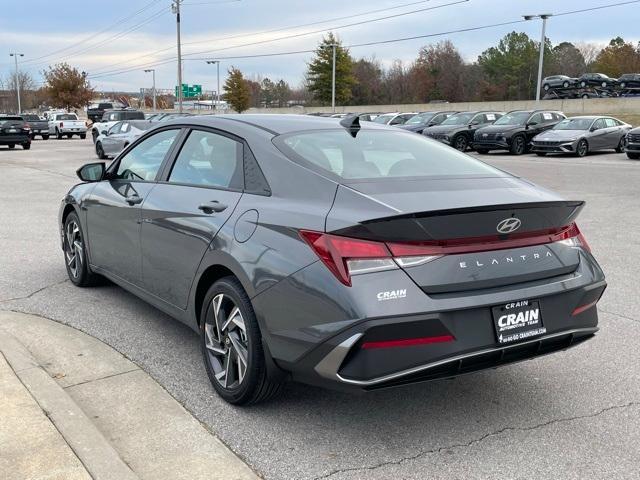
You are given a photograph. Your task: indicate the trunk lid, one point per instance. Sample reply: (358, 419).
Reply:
(478, 223)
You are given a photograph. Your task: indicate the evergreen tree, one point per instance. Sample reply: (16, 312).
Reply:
(320, 72)
(237, 93)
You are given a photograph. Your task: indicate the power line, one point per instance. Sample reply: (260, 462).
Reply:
(264, 32)
(287, 37)
(118, 22)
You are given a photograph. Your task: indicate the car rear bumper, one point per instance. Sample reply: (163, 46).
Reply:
(73, 130)
(15, 139)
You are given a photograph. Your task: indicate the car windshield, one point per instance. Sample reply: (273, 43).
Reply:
(384, 118)
(574, 124)
(379, 154)
(419, 119)
(458, 119)
(513, 118)
(67, 116)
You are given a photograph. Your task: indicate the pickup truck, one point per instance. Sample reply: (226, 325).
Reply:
(61, 124)
(111, 117)
(95, 111)
(38, 126)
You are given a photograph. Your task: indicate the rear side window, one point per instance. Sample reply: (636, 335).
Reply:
(209, 160)
(379, 154)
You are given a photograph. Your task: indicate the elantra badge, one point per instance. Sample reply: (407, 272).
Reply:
(509, 225)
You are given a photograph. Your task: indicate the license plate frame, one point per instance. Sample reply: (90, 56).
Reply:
(517, 321)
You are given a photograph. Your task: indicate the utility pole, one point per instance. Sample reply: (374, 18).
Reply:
(175, 6)
(544, 17)
(15, 57)
(217, 62)
(153, 71)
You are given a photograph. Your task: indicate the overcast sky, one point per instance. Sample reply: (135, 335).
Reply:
(77, 32)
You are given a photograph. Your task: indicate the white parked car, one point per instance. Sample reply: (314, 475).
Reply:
(61, 124)
(111, 142)
(394, 118)
(111, 117)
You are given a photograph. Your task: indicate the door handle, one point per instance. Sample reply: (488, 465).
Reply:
(133, 199)
(213, 206)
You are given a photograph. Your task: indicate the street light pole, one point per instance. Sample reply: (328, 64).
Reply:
(544, 17)
(153, 71)
(333, 80)
(176, 9)
(15, 57)
(217, 62)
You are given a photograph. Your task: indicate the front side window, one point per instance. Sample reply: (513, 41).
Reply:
(144, 160)
(598, 124)
(379, 154)
(209, 160)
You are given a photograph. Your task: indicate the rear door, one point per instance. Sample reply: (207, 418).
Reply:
(185, 211)
(113, 208)
(614, 132)
(598, 138)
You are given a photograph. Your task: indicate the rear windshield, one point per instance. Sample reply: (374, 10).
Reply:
(31, 118)
(134, 115)
(66, 116)
(10, 120)
(379, 154)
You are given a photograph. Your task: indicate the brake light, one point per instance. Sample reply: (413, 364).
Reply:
(61, 124)
(346, 256)
(26, 126)
(408, 342)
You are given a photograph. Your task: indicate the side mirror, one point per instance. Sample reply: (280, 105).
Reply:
(104, 132)
(532, 124)
(593, 129)
(91, 172)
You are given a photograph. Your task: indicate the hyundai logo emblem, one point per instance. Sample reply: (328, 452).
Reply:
(509, 225)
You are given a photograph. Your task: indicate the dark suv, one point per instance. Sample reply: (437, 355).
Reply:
(596, 80)
(629, 80)
(458, 130)
(515, 130)
(422, 120)
(632, 144)
(95, 111)
(14, 131)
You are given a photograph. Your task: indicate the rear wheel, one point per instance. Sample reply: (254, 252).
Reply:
(232, 345)
(546, 87)
(100, 151)
(75, 254)
(69, 135)
(94, 135)
(620, 147)
(26, 145)
(583, 84)
(45, 137)
(633, 156)
(582, 149)
(585, 96)
(58, 134)
(518, 145)
(83, 136)
(460, 142)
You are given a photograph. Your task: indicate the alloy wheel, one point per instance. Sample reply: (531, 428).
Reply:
(519, 146)
(461, 143)
(226, 342)
(73, 248)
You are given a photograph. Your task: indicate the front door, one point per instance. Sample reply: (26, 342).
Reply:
(183, 214)
(113, 208)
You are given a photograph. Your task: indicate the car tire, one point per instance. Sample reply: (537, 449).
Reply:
(58, 134)
(583, 84)
(482, 151)
(228, 344)
(75, 253)
(69, 135)
(12, 145)
(94, 135)
(582, 149)
(546, 87)
(100, 151)
(604, 84)
(26, 146)
(460, 142)
(541, 154)
(633, 156)
(83, 136)
(621, 145)
(623, 85)
(518, 145)
(585, 96)
(45, 137)
(565, 84)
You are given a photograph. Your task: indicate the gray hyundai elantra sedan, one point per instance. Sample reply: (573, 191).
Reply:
(351, 256)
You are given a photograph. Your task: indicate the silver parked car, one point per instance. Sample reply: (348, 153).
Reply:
(581, 135)
(110, 143)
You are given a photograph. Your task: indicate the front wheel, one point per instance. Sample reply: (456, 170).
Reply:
(541, 154)
(75, 254)
(83, 136)
(482, 151)
(518, 145)
(232, 345)
(58, 134)
(565, 84)
(12, 145)
(100, 151)
(460, 142)
(582, 149)
(546, 87)
(26, 146)
(45, 137)
(583, 84)
(620, 147)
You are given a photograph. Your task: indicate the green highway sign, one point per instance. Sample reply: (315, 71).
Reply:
(190, 91)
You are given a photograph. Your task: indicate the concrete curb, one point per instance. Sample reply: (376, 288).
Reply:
(96, 454)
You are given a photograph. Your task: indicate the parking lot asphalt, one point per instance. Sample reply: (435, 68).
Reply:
(571, 415)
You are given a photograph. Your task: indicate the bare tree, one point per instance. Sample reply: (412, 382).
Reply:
(589, 51)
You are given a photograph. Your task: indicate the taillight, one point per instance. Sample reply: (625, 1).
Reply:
(346, 256)
(26, 126)
(61, 124)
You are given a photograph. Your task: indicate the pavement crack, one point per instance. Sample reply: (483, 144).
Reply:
(480, 439)
(618, 315)
(101, 378)
(35, 292)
